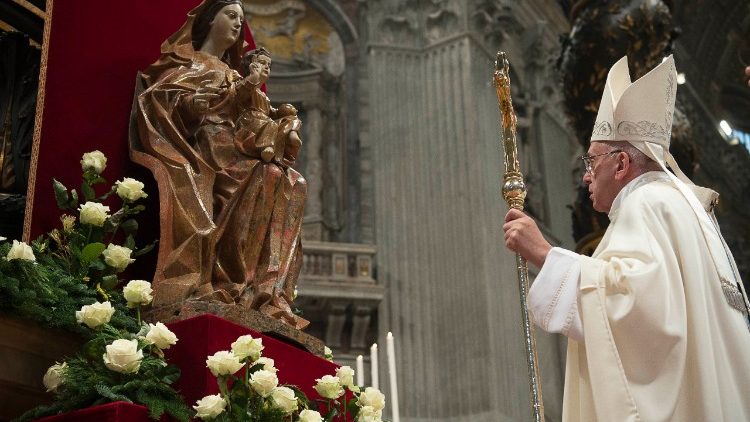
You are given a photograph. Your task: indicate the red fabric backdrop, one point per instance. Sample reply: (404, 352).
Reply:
(95, 51)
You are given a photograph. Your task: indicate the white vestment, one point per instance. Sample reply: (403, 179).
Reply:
(652, 337)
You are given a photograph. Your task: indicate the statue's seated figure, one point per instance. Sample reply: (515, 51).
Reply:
(231, 204)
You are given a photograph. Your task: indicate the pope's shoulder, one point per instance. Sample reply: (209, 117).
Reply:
(657, 195)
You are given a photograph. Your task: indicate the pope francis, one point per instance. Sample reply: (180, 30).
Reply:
(657, 318)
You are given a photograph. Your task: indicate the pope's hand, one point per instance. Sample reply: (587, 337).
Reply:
(523, 236)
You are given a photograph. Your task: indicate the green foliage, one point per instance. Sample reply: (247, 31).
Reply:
(46, 293)
(70, 269)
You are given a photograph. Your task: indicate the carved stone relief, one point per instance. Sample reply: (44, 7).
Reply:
(414, 22)
(495, 21)
(442, 19)
(398, 23)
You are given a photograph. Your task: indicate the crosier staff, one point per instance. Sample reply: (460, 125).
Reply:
(514, 193)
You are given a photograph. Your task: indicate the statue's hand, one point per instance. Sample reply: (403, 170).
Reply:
(286, 110)
(294, 139)
(204, 94)
(267, 154)
(254, 74)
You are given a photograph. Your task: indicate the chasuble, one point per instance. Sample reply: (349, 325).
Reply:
(652, 336)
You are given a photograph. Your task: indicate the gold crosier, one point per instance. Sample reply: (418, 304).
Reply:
(514, 193)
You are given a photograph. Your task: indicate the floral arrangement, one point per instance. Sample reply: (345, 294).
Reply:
(256, 395)
(117, 365)
(78, 263)
(69, 279)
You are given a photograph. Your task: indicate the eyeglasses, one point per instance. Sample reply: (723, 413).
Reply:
(588, 160)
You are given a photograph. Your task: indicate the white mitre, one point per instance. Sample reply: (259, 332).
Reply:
(641, 113)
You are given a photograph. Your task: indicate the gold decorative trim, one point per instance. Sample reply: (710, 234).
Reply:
(31, 8)
(37, 123)
(5, 26)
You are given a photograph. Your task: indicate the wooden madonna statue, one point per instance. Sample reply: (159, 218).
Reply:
(231, 203)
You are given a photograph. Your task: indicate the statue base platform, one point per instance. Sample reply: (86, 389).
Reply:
(237, 314)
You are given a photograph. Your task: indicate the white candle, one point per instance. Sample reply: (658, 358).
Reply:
(392, 375)
(360, 371)
(374, 366)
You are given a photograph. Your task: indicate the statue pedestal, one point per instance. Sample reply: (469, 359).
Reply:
(249, 318)
(27, 350)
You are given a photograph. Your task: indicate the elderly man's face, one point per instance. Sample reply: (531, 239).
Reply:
(601, 178)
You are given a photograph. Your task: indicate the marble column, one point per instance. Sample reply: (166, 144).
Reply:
(313, 126)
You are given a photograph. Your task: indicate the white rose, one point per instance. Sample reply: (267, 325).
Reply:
(329, 387)
(54, 377)
(223, 363)
(130, 190)
(3, 238)
(327, 353)
(161, 336)
(268, 364)
(93, 213)
(123, 356)
(209, 407)
(372, 397)
(117, 257)
(20, 250)
(95, 161)
(263, 382)
(284, 399)
(345, 374)
(308, 415)
(369, 414)
(247, 346)
(95, 314)
(137, 292)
